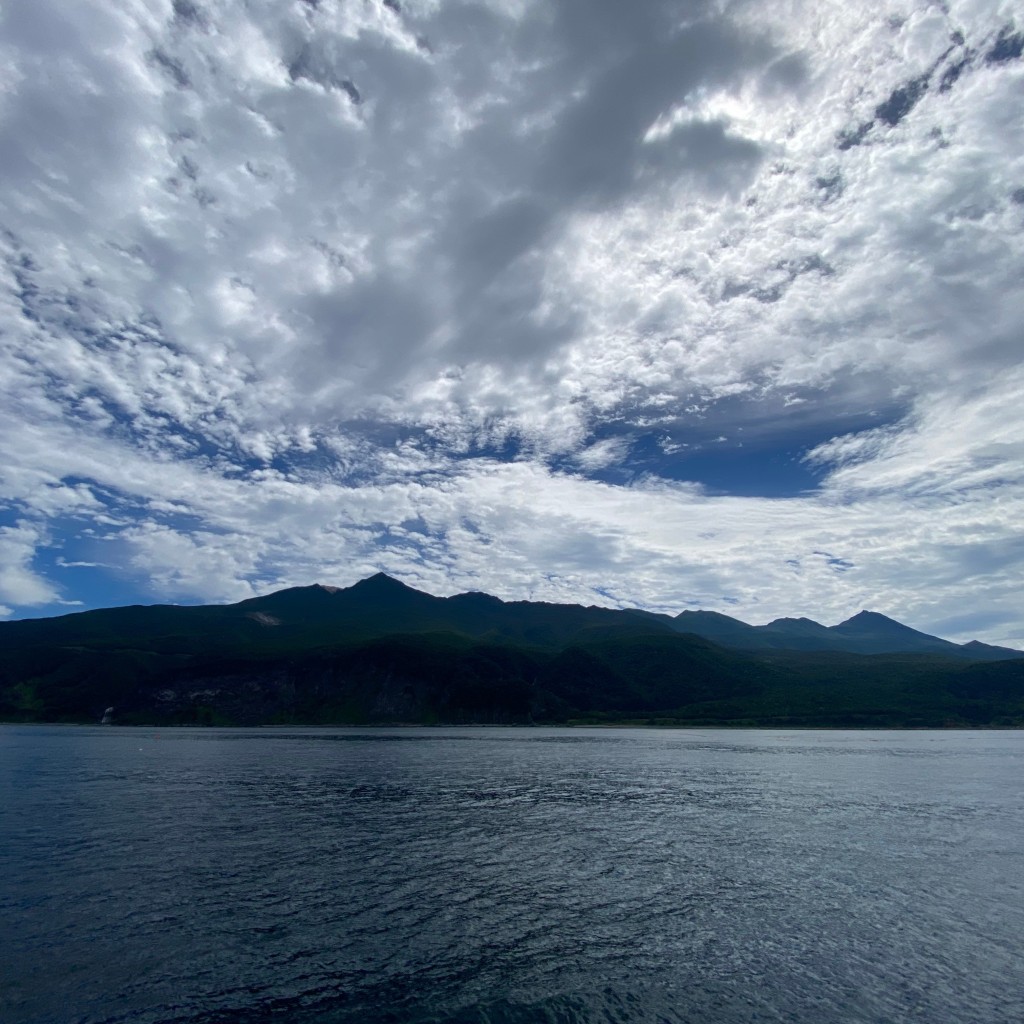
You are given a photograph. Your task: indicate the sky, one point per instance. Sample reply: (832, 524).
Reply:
(692, 304)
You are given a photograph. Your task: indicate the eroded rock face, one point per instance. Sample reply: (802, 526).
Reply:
(263, 619)
(243, 698)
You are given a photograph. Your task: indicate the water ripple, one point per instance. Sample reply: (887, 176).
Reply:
(504, 876)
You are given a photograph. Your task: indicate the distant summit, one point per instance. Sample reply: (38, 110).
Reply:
(866, 621)
(866, 632)
(379, 581)
(878, 634)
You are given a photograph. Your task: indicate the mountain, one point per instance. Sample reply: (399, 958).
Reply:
(380, 651)
(811, 634)
(864, 633)
(978, 651)
(872, 633)
(317, 615)
(720, 628)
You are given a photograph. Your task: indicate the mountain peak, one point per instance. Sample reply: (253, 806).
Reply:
(382, 587)
(990, 652)
(380, 581)
(871, 619)
(693, 614)
(477, 597)
(802, 627)
(879, 633)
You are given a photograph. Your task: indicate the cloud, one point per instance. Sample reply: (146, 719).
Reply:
(19, 584)
(299, 291)
(602, 454)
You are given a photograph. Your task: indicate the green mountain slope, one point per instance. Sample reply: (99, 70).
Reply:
(383, 652)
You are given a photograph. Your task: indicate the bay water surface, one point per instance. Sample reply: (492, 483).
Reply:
(309, 876)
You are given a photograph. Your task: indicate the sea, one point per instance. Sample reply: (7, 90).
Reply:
(414, 875)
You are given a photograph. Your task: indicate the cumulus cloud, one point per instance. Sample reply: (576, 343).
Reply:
(468, 292)
(19, 584)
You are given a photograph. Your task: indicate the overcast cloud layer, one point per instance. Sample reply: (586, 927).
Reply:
(660, 304)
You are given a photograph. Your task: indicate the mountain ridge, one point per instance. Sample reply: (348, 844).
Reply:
(865, 632)
(383, 652)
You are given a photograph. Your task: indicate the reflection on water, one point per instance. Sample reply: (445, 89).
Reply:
(502, 875)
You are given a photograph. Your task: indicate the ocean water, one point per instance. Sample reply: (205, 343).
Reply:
(510, 875)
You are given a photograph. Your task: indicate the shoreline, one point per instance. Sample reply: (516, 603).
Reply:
(607, 726)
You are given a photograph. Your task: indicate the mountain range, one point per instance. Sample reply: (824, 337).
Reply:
(380, 651)
(864, 633)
